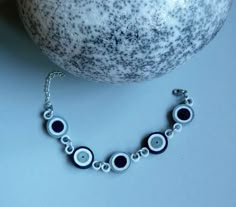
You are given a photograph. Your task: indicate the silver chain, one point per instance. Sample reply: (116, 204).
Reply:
(49, 78)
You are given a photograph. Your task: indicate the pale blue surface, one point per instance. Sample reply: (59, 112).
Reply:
(197, 170)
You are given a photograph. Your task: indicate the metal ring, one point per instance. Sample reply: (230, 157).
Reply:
(96, 165)
(189, 101)
(144, 152)
(65, 140)
(106, 167)
(69, 149)
(135, 157)
(169, 133)
(48, 114)
(177, 127)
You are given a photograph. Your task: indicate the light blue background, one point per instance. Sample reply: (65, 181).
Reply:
(197, 170)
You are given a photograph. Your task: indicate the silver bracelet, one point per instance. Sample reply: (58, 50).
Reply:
(83, 157)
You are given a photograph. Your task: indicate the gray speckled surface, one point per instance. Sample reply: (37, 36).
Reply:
(122, 40)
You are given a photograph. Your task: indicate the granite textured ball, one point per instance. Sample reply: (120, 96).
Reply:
(122, 40)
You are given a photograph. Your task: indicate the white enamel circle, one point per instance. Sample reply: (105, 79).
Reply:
(157, 143)
(57, 127)
(83, 157)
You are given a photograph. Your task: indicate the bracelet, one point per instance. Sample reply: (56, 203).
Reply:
(83, 157)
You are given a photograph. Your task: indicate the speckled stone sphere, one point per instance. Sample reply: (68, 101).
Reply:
(122, 40)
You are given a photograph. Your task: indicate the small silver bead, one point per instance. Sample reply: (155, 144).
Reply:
(169, 133)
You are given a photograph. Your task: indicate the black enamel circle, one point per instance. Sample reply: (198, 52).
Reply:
(57, 126)
(184, 114)
(120, 161)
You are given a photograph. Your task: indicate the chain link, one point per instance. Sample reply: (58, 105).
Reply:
(184, 93)
(141, 153)
(103, 166)
(49, 78)
(69, 148)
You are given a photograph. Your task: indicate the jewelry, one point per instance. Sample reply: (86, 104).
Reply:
(83, 157)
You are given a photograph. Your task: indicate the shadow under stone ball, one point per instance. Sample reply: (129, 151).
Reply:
(122, 41)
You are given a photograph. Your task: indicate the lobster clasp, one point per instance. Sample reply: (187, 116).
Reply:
(179, 92)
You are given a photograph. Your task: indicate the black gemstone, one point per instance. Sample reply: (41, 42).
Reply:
(184, 114)
(120, 161)
(57, 126)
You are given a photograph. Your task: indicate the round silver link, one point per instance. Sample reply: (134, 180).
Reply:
(66, 140)
(177, 127)
(106, 167)
(169, 133)
(103, 166)
(48, 114)
(144, 152)
(69, 149)
(189, 101)
(135, 157)
(97, 165)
